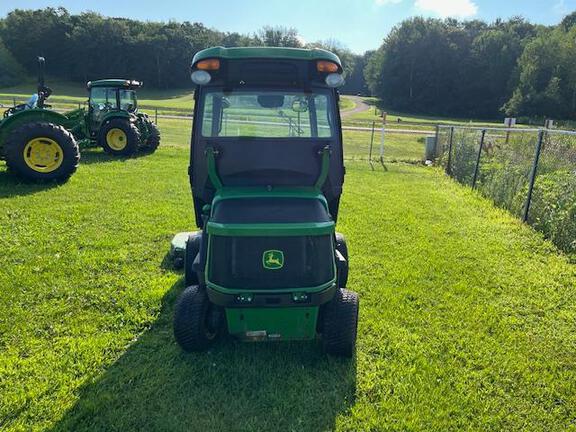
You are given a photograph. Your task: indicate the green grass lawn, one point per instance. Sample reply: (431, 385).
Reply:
(405, 120)
(69, 95)
(467, 316)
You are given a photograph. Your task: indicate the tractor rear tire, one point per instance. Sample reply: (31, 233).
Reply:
(42, 152)
(197, 322)
(153, 140)
(340, 324)
(119, 137)
(192, 250)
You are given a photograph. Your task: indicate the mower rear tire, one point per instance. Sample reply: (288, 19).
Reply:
(153, 140)
(192, 250)
(119, 137)
(197, 322)
(340, 324)
(42, 152)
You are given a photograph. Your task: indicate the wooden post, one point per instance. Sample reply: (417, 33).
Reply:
(371, 145)
(384, 115)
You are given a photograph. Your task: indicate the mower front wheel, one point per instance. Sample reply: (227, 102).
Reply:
(197, 322)
(192, 250)
(340, 324)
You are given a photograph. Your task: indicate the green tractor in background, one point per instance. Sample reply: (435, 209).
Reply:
(34, 140)
(42, 144)
(112, 120)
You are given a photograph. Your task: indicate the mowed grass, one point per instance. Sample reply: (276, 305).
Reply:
(401, 120)
(467, 316)
(68, 96)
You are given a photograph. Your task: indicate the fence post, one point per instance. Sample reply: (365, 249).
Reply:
(533, 174)
(449, 163)
(371, 145)
(156, 115)
(14, 100)
(437, 142)
(477, 168)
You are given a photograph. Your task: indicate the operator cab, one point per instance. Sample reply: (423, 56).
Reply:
(110, 95)
(268, 115)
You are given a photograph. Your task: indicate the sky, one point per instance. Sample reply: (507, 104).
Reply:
(359, 25)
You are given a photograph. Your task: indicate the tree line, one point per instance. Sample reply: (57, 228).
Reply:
(90, 46)
(429, 66)
(477, 69)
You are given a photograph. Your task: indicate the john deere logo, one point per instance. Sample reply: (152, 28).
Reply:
(273, 259)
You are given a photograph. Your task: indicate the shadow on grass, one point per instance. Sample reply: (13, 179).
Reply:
(234, 386)
(169, 264)
(96, 155)
(11, 185)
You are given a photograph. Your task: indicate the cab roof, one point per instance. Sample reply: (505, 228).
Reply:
(241, 53)
(121, 83)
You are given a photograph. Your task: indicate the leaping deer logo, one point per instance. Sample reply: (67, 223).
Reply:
(273, 259)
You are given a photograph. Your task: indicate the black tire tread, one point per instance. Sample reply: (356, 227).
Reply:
(132, 134)
(340, 324)
(153, 141)
(192, 249)
(189, 319)
(17, 139)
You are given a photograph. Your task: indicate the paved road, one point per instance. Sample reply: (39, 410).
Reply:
(361, 106)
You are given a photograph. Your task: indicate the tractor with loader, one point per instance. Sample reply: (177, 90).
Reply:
(266, 173)
(39, 143)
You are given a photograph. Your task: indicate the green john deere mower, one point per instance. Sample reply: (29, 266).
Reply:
(266, 171)
(41, 144)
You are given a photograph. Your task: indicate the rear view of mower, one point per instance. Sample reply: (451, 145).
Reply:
(266, 171)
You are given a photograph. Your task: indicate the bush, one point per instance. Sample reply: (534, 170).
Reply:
(553, 208)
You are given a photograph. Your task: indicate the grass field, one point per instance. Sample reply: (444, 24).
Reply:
(467, 316)
(412, 121)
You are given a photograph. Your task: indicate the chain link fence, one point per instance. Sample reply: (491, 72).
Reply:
(530, 172)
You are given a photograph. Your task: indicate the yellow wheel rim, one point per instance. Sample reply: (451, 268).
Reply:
(43, 155)
(116, 139)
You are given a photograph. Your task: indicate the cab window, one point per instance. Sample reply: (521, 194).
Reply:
(128, 100)
(102, 99)
(268, 114)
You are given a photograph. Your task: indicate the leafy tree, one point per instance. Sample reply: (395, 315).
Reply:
(278, 36)
(547, 83)
(11, 72)
(449, 67)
